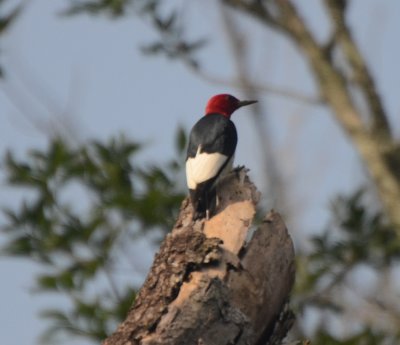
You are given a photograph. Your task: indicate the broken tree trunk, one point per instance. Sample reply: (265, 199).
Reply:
(213, 282)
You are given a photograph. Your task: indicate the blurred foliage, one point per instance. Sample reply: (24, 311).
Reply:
(5, 21)
(84, 208)
(113, 8)
(173, 41)
(362, 236)
(357, 236)
(366, 337)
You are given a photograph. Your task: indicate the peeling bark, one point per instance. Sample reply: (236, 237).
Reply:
(208, 285)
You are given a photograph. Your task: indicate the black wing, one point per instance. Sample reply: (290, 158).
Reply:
(215, 133)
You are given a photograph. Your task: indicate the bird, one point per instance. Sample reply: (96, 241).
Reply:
(210, 152)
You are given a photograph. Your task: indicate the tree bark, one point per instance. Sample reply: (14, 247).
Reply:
(217, 281)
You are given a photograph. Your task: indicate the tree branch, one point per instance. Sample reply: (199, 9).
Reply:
(373, 149)
(209, 284)
(265, 88)
(362, 74)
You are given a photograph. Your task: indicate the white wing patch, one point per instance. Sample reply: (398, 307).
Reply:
(202, 167)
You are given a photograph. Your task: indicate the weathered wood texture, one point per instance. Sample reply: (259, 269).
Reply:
(208, 285)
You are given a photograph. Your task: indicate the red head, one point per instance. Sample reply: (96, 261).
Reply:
(225, 104)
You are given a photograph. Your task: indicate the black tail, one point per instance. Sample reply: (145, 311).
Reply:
(203, 199)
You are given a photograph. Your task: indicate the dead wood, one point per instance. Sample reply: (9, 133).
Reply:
(208, 285)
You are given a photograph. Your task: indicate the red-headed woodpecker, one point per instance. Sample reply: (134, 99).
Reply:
(210, 152)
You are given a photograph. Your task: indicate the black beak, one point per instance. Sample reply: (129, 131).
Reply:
(243, 103)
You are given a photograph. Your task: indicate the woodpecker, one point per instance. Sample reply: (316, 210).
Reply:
(210, 152)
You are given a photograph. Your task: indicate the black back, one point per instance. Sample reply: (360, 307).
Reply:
(215, 133)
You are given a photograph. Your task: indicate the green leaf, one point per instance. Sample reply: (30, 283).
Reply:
(79, 245)
(47, 282)
(6, 20)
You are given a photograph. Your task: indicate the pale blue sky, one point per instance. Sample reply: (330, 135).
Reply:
(89, 74)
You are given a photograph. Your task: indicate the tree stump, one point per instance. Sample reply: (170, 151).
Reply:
(217, 281)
